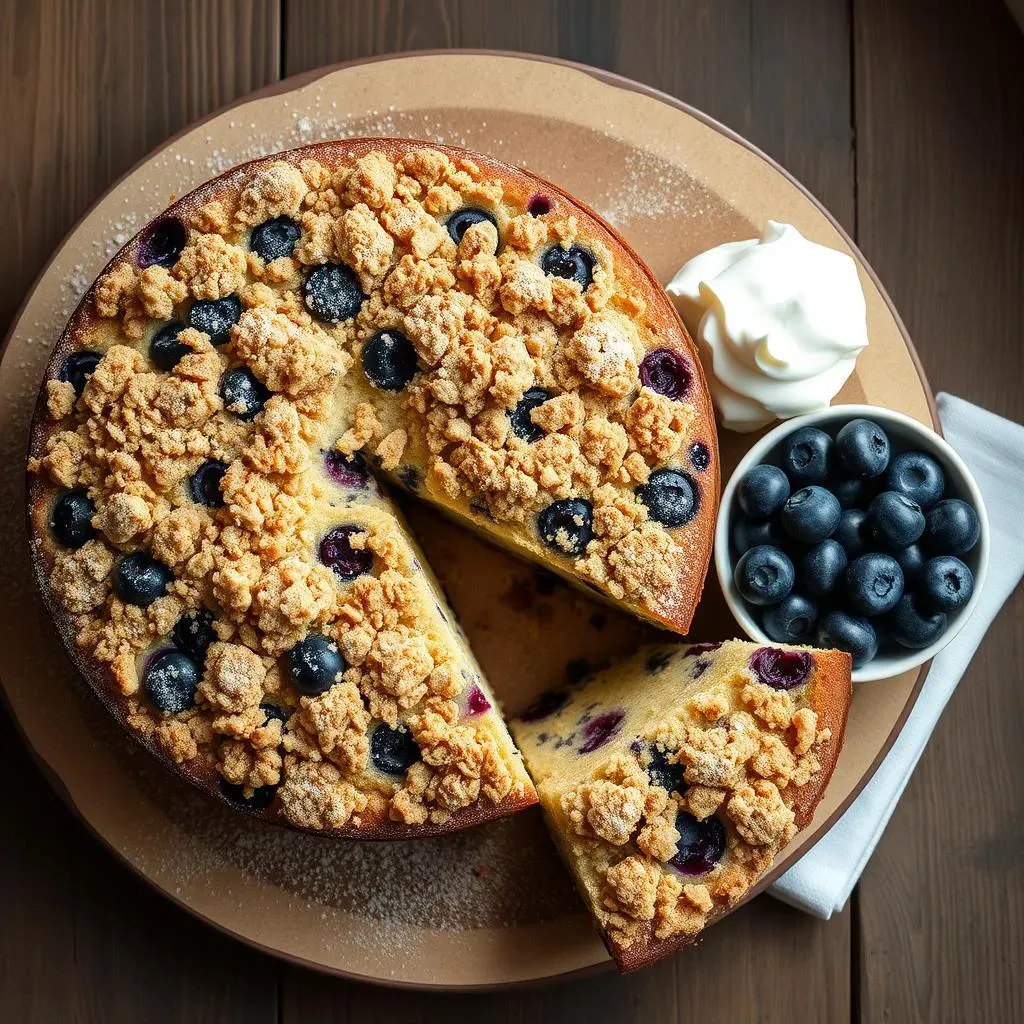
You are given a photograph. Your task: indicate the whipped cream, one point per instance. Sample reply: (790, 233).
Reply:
(778, 320)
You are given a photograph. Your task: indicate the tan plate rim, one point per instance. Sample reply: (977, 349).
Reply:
(301, 80)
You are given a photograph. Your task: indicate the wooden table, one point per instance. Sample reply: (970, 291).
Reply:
(907, 119)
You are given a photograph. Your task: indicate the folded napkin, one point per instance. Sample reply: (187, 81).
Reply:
(993, 448)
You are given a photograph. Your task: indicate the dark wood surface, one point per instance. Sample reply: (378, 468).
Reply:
(907, 119)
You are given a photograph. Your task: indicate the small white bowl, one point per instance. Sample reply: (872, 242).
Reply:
(905, 434)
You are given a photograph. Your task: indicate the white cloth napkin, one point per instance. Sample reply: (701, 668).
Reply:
(993, 448)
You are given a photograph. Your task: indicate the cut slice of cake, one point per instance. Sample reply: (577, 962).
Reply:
(671, 780)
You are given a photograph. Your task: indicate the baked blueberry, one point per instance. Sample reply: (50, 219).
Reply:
(805, 456)
(849, 490)
(874, 583)
(337, 553)
(573, 263)
(665, 773)
(170, 682)
(274, 238)
(600, 730)
(850, 533)
(820, 568)
(215, 317)
(243, 394)
(849, 633)
(140, 579)
(792, 620)
(393, 751)
(810, 514)
(162, 243)
(476, 702)
(71, 518)
(522, 425)
(951, 528)
(911, 626)
(911, 560)
(762, 491)
(567, 526)
(347, 470)
(545, 705)
(274, 713)
(259, 800)
(917, 476)
(666, 371)
(764, 575)
(894, 520)
(389, 360)
(315, 664)
(78, 368)
(946, 583)
(749, 533)
(538, 206)
(194, 633)
(700, 457)
(671, 496)
(781, 670)
(164, 347)
(701, 844)
(332, 293)
(461, 220)
(204, 483)
(862, 449)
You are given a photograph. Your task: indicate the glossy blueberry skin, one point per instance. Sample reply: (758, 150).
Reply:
(71, 519)
(204, 483)
(781, 670)
(194, 633)
(393, 751)
(862, 449)
(315, 664)
(336, 552)
(244, 396)
(574, 264)
(332, 293)
(894, 521)
(567, 526)
(851, 532)
(522, 425)
(162, 243)
(78, 368)
(667, 372)
(460, 220)
(820, 569)
(764, 575)
(911, 626)
(849, 491)
(701, 844)
(946, 583)
(215, 317)
(849, 633)
(262, 797)
(748, 533)
(671, 496)
(805, 456)
(170, 682)
(274, 713)
(911, 560)
(874, 583)
(140, 579)
(792, 620)
(274, 238)
(917, 476)
(810, 514)
(762, 491)
(951, 528)
(164, 348)
(389, 361)
(700, 457)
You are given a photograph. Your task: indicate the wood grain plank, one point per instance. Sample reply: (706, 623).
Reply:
(940, 110)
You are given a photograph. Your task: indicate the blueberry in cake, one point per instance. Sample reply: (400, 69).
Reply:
(671, 780)
(207, 458)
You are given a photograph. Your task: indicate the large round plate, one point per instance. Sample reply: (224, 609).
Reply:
(491, 906)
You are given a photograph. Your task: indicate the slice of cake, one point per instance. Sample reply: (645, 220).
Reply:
(671, 780)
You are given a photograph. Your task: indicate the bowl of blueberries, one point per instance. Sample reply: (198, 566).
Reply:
(856, 528)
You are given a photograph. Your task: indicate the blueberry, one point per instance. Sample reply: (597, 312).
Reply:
(762, 491)
(862, 449)
(337, 553)
(848, 633)
(749, 533)
(393, 751)
(262, 797)
(274, 238)
(164, 347)
(699, 455)
(667, 372)
(162, 243)
(347, 470)
(389, 360)
(71, 518)
(665, 773)
(545, 705)
(781, 670)
(849, 491)
(567, 526)
(204, 483)
(315, 664)
(194, 633)
(791, 621)
(701, 844)
(140, 579)
(460, 220)
(894, 521)
(574, 264)
(215, 317)
(910, 626)
(874, 583)
(600, 730)
(764, 575)
(810, 514)
(274, 713)
(911, 561)
(946, 584)
(917, 476)
(820, 568)
(850, 533)
(538, 206)
(243, 394)
(78, 368)
(671, 496)
(476, 702)
(951, 528)
(332, 293)
(805, 456)
(522, 425)
(170, 682)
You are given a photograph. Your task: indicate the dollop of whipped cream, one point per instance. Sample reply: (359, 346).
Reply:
(779, 322)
